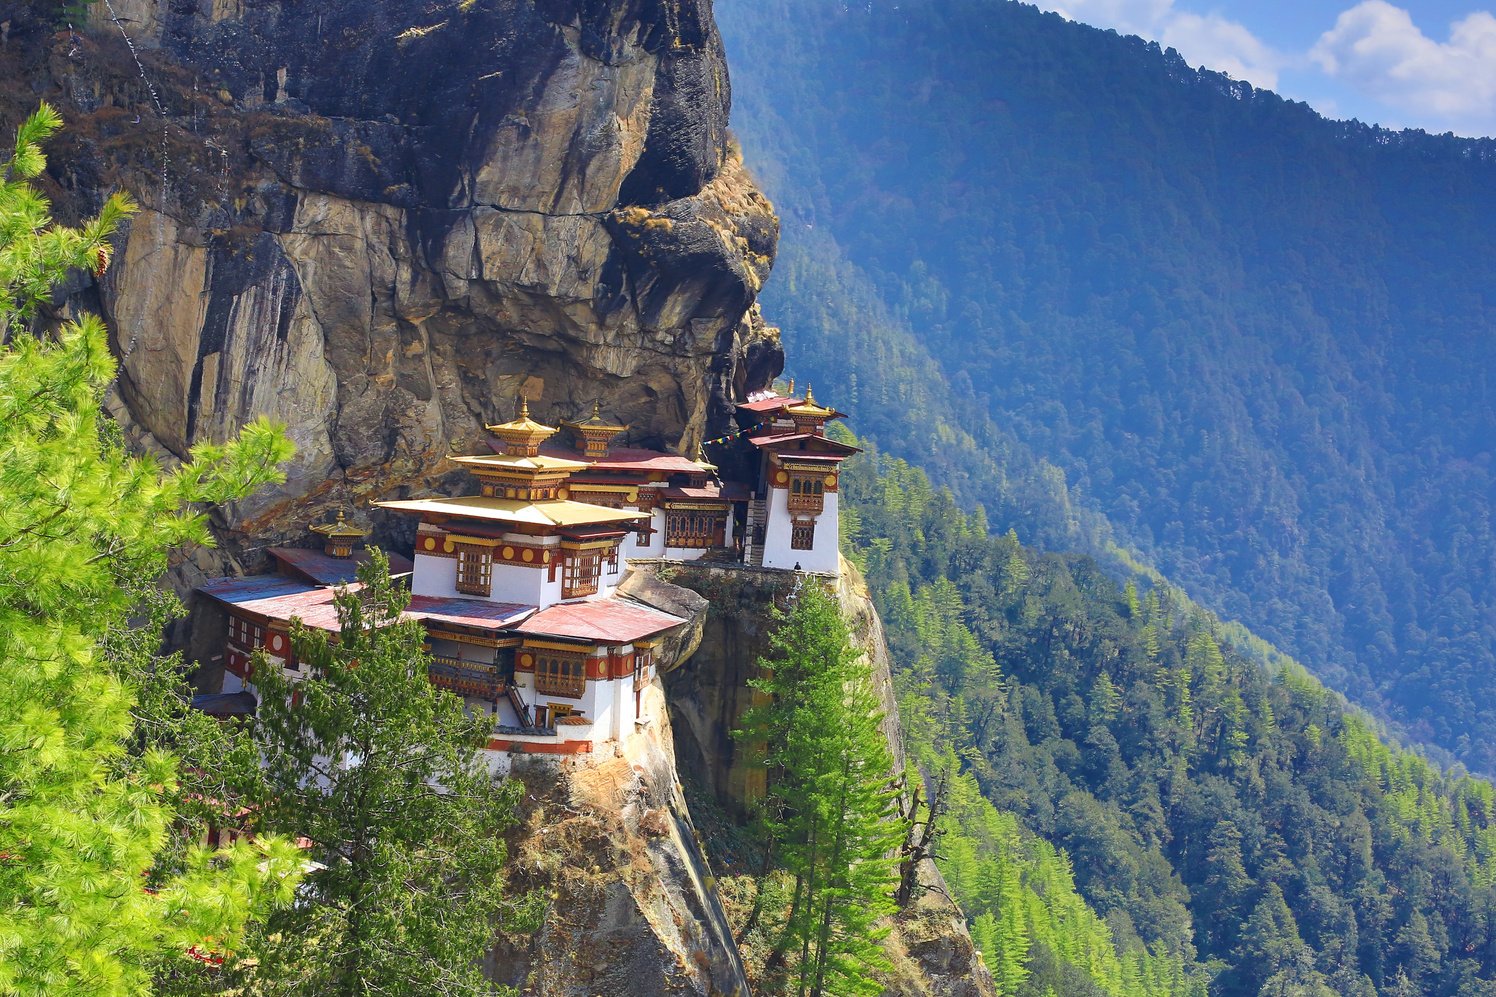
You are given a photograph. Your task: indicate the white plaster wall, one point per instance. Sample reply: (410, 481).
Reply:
(498, 763)
(777, 550)
(525, 585)
(611, 576)
(434, 576)
(656, 546)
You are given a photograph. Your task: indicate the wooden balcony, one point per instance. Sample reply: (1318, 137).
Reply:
(467, 678)
(553, 684)
(813, 502)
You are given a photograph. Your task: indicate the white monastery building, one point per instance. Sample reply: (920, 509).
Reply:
(515, 583)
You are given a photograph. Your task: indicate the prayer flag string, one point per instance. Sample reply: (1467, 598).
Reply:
(738, 435)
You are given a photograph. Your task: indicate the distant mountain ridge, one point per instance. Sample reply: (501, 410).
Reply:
(1125, 302)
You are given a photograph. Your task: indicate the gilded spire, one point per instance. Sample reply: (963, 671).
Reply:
(522, 436)
(809, 410)
(342, 528)
(340, 536)
(593, 435)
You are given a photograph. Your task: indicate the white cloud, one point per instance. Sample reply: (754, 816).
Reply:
(1131, 17)
(1208, 40)
(1223, 45)
(1376, 49)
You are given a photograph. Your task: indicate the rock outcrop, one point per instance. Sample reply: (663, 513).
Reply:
(630, 906)
(381, 221)
(931, 950)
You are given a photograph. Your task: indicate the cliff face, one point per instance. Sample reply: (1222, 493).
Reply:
(630, 905)
(932, 952)
(380, 221)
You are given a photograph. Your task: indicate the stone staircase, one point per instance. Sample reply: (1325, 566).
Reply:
(754, 553)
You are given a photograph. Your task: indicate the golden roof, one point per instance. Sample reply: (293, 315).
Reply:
(509, 462)
(558, 512)
(809, 407)
(596, 424)
(522, 432)
(341, 530)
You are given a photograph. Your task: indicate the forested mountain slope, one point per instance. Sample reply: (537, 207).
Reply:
(1258, 344)
(1212, 813)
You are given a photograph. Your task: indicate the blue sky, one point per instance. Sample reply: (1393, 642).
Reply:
(1427, 64)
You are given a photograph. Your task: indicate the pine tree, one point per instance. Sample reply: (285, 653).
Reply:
(829, 812)
(382, 773)
(86, 907)
(1009, 960)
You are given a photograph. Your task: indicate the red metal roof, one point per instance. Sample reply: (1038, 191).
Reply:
(324, 569)
(479, 613)
(775, 441)
(235, 590)
(582, 479)
(604, 532)
(603, 621)
(769, 404)
(630, 459)
(276, 597)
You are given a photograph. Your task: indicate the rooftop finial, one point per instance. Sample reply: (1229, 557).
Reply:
(810, 394)
(524, 407)
(792, 388)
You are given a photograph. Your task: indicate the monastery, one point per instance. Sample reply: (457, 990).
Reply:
(515, 583)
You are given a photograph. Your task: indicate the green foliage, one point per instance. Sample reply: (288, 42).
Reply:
(829, 810)
(1212, 812)
(382, 773)
(85, 529)
(1019, 894)
(74, 13)
(1154, 314)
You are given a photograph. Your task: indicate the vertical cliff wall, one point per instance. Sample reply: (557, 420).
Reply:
(380, 221)
(931, 950)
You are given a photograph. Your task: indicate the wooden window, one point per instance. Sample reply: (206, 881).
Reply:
(612, 560)
(807, 494)
(560, 674)
(245, 634)
(581, 574)
(474, 570)
(645, 529)
(803, 535)
(695, 528)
